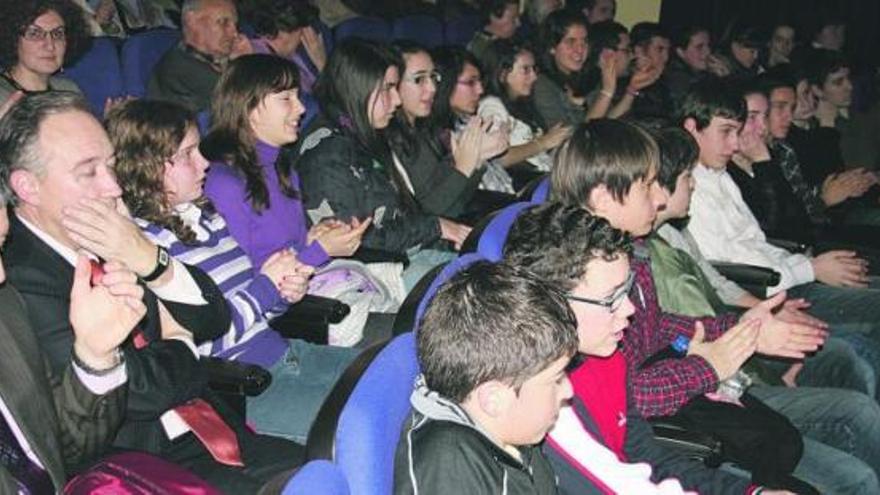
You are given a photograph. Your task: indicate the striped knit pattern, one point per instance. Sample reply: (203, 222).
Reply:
(251, 295)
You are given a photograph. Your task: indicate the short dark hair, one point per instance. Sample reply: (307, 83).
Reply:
(822, 63)
(493, 322)
(496, 8)
(679, 152)
(556, 241)
(709, 98)
(605, 152)
(20, 131)
(644, 32)
(269, 17)
(17, 15)
(682, 37)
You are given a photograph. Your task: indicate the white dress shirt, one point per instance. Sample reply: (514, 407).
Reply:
(726, 230)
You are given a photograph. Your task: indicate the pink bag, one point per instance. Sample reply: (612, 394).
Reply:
(137, 473)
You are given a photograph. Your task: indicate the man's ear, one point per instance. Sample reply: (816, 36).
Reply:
(680, 52)
(816, 90)
(600, 201)
(494, 398)
(690, 125)
(25, 186)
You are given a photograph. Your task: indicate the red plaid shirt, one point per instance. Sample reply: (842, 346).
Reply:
(662, 388)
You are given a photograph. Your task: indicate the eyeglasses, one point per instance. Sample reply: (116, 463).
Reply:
(36, 33)
(613, 302)
(471, 83)
(420, 78)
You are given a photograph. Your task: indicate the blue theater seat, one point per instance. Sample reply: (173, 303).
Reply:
(371, 28)
(359, 424)
(424, 29)
(98, 73)
(460, 31)
(140, 53)
(315, 477)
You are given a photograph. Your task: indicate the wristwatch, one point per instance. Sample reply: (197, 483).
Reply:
(163, 259)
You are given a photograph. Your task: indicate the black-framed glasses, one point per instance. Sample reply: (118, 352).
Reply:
(36, 33)
(420, 78)
(613, 302)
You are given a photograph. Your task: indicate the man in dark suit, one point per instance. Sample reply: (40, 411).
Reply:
(56, 159)
(63, 422)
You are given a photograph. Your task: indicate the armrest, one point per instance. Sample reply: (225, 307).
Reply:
(792, 246)
(369, 255)
(755, 279)
(692, 444)
(309, 318)
(231, 377)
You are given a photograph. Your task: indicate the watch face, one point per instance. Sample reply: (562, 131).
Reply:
(163, 257)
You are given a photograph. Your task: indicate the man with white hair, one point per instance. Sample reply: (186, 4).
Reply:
(188, 72)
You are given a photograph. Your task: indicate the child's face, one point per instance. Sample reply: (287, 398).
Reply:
(718, 141)
(601, 327)
(636, 213)
(679, 202)
(533, 412)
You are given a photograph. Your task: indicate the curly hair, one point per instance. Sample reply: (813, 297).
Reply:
(17, 15)
(556, 241)
(145, 135)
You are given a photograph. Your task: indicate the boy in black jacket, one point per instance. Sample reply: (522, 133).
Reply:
(493, 348)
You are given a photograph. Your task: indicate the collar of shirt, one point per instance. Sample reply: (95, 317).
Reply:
(65, 252)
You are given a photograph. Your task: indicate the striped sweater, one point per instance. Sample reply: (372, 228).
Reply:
(252, 296)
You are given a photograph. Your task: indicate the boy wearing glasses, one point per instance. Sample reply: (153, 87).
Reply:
(601, 443)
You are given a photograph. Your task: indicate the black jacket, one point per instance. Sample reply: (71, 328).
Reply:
(341, 175)
(438, 187)
(442, 451)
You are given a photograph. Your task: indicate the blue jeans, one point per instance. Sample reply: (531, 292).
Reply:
(839, 365)
(421, 261)
(841, 431)
(857, 309)
(301, 381)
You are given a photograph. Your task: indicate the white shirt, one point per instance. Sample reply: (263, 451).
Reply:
(491, 107)
(726, 230)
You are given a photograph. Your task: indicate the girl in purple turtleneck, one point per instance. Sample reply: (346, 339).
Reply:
(255, 113)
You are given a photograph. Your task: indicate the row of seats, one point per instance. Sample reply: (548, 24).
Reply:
(425, 29)
(352, 444)
(108, 70)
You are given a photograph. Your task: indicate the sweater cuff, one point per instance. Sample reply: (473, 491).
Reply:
(263, 290)
(313, 255)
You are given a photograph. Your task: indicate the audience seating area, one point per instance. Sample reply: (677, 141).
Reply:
(114, 69)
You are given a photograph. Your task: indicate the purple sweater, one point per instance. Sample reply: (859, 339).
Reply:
(281, 225)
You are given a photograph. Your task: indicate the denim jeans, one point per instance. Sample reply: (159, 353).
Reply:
(301, 381)
(857, 309)
(839, 365)
(841, 431)
(421, 261)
